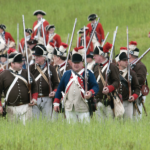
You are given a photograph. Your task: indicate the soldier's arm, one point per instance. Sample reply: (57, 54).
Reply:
(141, 74)
(61, 87)
(93, 86)
(34, 88)
(58, 40)
(101, 31)
(135, 86)
(114, 78)
(10, 37)
(54, 78)
(1, 89)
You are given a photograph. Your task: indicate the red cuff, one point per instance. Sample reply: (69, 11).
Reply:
(0, 103)
(55, 90)
(56, 100)
(111, 88)
(35, 96)
(135, 96)
(93, 93)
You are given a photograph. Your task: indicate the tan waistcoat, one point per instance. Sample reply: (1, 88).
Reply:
(75, 100)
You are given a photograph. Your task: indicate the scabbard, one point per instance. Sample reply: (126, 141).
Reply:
(137, 108)
(144, 108)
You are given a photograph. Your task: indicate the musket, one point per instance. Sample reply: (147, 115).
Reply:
(18, 37)
(27, 60)
(7, 55)
(111, 57)
(48, 63)
(70, 44)
(105, 39)
(21, 48)
(67, 39)
(92, 35)
(85, 63)
(133, 64)
(114, 39)
(129, 76)
(77, 39)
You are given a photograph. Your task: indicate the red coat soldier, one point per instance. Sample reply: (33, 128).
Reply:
(5, 35)
(81, 40)
(37, 25)
(28, 32)
(52, 37)
(98, 37)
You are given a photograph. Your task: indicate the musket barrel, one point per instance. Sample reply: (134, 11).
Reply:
(26, 50)
(70, 44)
(92, 35)
(105, 39)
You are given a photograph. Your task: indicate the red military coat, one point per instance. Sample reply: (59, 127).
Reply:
(45, 23)
(56, 40)
(8, 36)
(99, 32)
(87, 41)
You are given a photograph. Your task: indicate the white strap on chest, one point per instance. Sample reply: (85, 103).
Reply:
(37, 78)
(62, 68)
(50, 38)
(104, 68)
(75, 79)
(125, 73)
(21, 78)
(38, 24)
(10, 88)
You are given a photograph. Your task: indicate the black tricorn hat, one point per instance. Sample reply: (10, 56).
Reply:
(3, 55)
(40, 50)
(97, 50)
(39, 12)
(123, 56)
(32, 41)
(3, 27)
(82, 30)
(76, 58)
(15, 57)
(55, 50)
(92, 17)
(90, 55)
(48, 27)
(28, 30)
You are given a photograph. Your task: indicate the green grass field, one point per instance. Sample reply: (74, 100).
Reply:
(109, 135)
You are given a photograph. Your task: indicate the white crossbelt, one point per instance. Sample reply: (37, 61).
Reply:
(75, 78)
(10, 88)
(38, 24)
(98, 78)
(37, 78)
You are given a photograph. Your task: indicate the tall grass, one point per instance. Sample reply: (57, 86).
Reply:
(111, 134)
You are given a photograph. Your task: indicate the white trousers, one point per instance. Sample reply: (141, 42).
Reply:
(103, 112)
(128, 114)
(73, 116)
(16, 113)
(44, 105)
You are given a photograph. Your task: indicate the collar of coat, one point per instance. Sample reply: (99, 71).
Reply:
(19, 72)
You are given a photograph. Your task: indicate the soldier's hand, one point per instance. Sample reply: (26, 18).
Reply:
(1, 109)
(52, 94)
(56, 108)
(33, 102)
(105, 90)
(88, 95)
(131, 99)
(149, 35)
